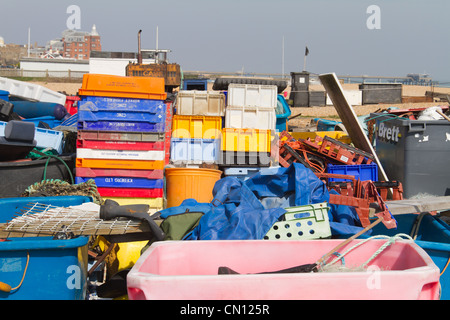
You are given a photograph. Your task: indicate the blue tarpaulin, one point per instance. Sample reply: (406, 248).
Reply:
(246, 210)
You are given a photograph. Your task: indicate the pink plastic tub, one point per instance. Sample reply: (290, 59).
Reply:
(188, 270)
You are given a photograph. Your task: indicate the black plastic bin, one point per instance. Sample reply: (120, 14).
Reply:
(17, 176)
(415, 152)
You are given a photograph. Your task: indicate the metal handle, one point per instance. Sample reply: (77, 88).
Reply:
(417, 127)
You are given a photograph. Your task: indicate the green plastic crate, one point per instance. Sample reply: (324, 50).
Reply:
(302, 223)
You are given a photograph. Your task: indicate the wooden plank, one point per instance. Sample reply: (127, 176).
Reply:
(429, 204)
(93, 229)
(349, 118)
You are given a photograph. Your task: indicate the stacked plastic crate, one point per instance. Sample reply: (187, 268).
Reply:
(121, 138)
(250, 124)
(197, 125)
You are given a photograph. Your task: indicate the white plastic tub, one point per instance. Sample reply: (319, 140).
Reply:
(31, 91)
(200, 103)
(87, 153)
(252, 95)
(250, 117)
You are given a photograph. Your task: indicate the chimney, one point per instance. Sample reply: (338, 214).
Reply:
(139, 59)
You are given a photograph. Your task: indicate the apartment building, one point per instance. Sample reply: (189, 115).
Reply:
(79, 44)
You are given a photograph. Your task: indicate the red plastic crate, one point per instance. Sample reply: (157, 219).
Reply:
(121, 136)
(339, 151)
(120, 145)
(168, 134)
(99, 172)
(131, 192)
(70, 105)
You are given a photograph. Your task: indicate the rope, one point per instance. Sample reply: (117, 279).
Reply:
(390, 116)
(63, 162)
(24, 273)
(390, 241)
(445, 268)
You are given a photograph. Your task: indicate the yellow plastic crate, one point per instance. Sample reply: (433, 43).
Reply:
(196, 127)
(246, 140)
(338, 135)
(153, 203)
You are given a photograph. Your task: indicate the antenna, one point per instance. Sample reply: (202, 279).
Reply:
(29, 40)
(156, 38)
(282, 59)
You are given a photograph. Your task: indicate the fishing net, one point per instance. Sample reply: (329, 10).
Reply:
(56, 187)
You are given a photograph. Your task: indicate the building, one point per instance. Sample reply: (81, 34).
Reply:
(10, 54)
(57, 67)
(79, 44)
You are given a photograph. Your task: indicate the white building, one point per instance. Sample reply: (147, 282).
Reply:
(100, 62)
(114, 63)
(35, 67)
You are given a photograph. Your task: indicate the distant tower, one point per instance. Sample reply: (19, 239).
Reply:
(2, 42)
(94, 31)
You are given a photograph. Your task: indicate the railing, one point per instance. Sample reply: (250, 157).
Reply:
(78, 75)
(19, 73)
(313, 76)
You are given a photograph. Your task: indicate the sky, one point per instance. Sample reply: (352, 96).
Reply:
(347, 37)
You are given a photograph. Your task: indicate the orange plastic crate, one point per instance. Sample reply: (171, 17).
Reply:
(103, 85)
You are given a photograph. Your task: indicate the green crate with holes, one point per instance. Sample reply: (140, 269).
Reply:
(302, 223)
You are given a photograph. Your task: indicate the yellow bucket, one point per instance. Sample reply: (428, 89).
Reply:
(187, 183)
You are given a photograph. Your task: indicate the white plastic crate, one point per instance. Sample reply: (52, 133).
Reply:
(194, 151)
(200, 103)
(87, 153)
(252, 95)
(246, 173)
(31, 90)
(45, 138)
(306, 222)
(250, 117)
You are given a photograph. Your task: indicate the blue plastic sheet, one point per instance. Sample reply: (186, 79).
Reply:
(246, 210)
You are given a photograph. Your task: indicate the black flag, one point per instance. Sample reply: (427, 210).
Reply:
(306, 51)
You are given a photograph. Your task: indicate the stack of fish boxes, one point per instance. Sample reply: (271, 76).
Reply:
(250, 122)
(121, 138)
(197, 126)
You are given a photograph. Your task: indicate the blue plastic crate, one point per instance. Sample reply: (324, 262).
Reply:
(194, 151)
(57, 269)
(51, 121)
(362, 171)
(45, 138)
(326, 125)
(123, 182)
(283, 112)
(14, 205)
(87, 115)
(121, 104)
(4, 95)
(121, 126)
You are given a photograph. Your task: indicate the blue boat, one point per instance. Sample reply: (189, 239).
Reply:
(431, 234)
